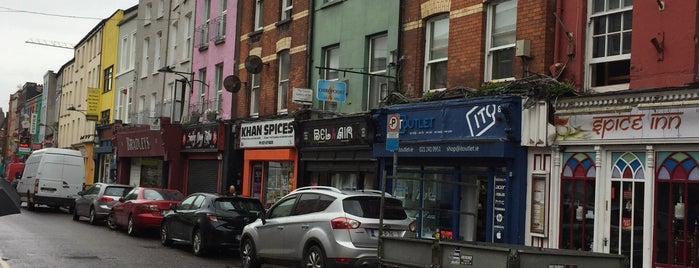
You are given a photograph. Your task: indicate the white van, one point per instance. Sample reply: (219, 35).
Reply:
(52, 177)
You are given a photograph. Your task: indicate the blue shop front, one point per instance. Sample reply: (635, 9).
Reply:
(461, 171)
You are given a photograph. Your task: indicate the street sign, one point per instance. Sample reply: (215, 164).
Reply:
(392, 132)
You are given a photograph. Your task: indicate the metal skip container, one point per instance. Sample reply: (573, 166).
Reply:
(414, 252)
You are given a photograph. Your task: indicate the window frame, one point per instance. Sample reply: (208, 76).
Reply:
(258, 19)
(218, 85)
(428, 51)
(591, 62)
(188, 30)
(287, 7)
(108, 82)
(329, 54)
(493, 50)
(254, 95)
(284, 62)
(372, 81)
(157, 62)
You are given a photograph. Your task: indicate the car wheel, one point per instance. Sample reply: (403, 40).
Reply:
(198, 243)
(314, 257)
(131, 228)
(75, 215)
(93, 217)
(111, 221)
(164, 235)
(248, 256)
(30, 202)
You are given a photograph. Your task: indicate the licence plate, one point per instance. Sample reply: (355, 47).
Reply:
(386, 233)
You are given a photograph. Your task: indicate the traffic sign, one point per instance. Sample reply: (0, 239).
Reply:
(392, 132)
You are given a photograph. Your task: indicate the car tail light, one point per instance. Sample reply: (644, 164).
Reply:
(344, 223)
(149, 207)
(211, 217)
(36, 185)
(105, 199)
(342, 260)
(412, 226)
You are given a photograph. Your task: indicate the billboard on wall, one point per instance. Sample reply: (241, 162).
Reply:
(93, 102)
(273, 133)
(635, 124)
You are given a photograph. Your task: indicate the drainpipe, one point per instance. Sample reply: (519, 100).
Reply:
(309, 50)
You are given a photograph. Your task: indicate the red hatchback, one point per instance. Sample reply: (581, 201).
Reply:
(142, 208)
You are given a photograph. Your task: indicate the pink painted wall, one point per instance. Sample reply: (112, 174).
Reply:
(215, 53)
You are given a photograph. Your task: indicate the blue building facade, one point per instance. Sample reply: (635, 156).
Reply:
(461, 171)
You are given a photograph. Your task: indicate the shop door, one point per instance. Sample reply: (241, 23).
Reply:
(577, 210)
(203, 176)
(623, 230)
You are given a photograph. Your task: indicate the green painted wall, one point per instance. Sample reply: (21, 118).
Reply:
(350, 24)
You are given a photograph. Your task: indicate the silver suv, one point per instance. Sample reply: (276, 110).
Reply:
(321, 226)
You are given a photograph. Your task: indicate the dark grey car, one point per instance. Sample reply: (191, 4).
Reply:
(96, 201)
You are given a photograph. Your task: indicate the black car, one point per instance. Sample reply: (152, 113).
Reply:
(209, 221)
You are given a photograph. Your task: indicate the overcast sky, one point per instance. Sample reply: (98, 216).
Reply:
(48, 21)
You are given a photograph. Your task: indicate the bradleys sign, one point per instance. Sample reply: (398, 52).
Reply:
(274, 133)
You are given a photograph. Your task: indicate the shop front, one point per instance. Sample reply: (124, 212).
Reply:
(337, 152)
(150, 157)
(105, 159)
(629, 177)
(269, 159)
(461, 171)
(202, 149)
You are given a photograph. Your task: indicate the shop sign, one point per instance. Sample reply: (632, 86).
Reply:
(499, 209)
(333, 134)
(148, 143)
(200, 137)
(669, 123)
(330, 90)
(275, 133)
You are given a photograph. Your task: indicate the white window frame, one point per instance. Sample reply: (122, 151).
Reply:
(428, 62)
(157, 62)
(590, 60)
(287, 9)
(258, 23)
(132, 51)
(382, 82)
(331, 59)
(152, 104)
(145, 57)
(221, 23)
(147, 14)
(172, 51)
(124, 54)
(284, 60)
(188, 27)
(161, 9)
(493, 49)
(202, 90)
(218, 85)
(255, 95)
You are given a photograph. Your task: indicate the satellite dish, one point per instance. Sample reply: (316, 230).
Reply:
(231, 83)
(253, 64)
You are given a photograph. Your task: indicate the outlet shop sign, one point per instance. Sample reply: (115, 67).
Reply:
(274, 133)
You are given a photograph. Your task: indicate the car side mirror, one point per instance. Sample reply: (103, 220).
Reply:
(81, 193)
(121, 200)
(173, 207)
(262, 216)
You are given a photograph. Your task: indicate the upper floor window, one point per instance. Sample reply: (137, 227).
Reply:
(283, 83)
(254, 94)
(161, 8)
(218, 84)
(202, 89)
(157, 62)
(331, 61)
(436, 47)
(610, 56)
(108, 78)
(502, 26)
(124, 54)
(221, 20)
(187, 51)
(147, 13)
(258, 15)
(172, 44)
(287, 6)
(378, 86)
(145, 58)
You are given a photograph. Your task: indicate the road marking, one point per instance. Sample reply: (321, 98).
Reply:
(4, 264)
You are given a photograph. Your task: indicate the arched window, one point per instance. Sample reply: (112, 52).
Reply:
(577, 201)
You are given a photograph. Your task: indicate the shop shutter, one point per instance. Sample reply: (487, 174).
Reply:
(203, 176)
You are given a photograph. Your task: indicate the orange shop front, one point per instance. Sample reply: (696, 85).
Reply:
(269, 159)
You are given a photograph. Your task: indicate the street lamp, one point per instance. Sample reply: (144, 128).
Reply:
(73, 109)
(187, 80)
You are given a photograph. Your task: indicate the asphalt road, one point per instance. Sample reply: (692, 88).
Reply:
(50, 238)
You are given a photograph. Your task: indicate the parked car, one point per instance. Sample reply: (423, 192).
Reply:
(207, 221)
(322, 226)
(97, 200)
(142, 208)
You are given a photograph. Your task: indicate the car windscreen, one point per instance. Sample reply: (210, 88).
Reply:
(116, 190)
(370, 207)
(231, 204)
(161, 194)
